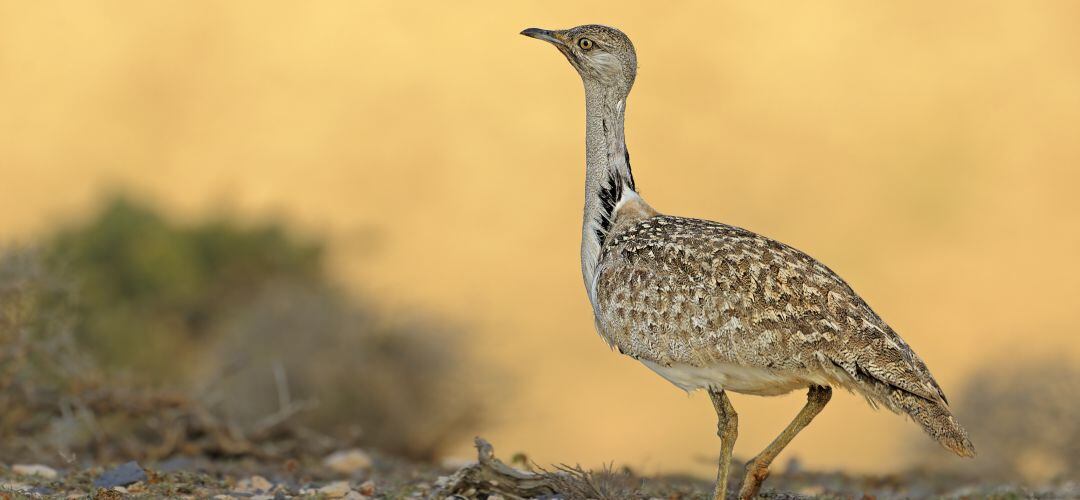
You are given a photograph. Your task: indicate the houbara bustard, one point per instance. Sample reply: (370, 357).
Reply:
(716, 307)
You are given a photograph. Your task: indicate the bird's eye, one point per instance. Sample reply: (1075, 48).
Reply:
(585, 43)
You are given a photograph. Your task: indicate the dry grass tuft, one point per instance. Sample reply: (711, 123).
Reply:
(576, 483)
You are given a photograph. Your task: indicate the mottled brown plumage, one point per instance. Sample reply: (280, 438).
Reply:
(716, 307)
(683, 291)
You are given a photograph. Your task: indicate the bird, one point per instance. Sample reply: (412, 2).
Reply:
(719, 308)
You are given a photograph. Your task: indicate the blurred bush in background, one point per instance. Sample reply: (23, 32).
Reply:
(240, 317)
(152, 292)
(1024, 418)
(404, 383)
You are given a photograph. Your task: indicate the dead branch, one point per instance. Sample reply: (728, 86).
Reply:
(491, 476)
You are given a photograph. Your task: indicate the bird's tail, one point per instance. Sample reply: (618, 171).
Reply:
(936, 419)
(932, 415)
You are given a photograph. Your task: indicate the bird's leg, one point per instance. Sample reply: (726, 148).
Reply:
(758, 468)
(727, 427)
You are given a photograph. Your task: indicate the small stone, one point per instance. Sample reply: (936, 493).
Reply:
(348, 461)
(34, 470)
(337, 489)
(352, 495)
(261, 483)
(121, 475)
(255, 484)
(367, 489)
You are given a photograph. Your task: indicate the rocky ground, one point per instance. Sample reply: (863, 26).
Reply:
(358, 474)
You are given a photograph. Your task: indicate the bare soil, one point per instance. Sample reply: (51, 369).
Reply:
(488, 478)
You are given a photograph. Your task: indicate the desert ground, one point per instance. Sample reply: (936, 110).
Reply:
(356, 474)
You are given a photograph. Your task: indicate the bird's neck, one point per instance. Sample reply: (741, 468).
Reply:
(608, 180)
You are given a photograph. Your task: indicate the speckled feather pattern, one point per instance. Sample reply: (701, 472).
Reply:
(673, 290)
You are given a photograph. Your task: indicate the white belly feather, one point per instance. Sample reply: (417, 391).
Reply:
(735, 378)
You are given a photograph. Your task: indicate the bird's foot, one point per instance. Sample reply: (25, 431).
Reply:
(755, 475)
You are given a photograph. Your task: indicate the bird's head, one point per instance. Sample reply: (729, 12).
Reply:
(602, 55)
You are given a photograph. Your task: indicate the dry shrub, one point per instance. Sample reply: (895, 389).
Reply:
(406, 385)
(59, 405)
(282, 360)
(40, 368)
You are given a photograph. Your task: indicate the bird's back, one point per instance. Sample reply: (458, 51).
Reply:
(704, 303)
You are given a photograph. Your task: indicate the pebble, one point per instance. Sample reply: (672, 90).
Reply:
(121, 475)
(34, 470)
(337, 489)
(255, 484)
(367, 488)
(348, 461)
(261, 483)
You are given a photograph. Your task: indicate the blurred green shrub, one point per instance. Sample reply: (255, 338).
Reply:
(151, 290)
(244, 319)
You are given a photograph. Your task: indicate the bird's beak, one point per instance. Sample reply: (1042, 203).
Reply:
(545, 35)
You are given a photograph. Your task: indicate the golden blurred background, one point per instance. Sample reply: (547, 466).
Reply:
(926, 151)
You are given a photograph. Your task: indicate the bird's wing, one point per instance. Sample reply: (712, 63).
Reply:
(686, 290)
